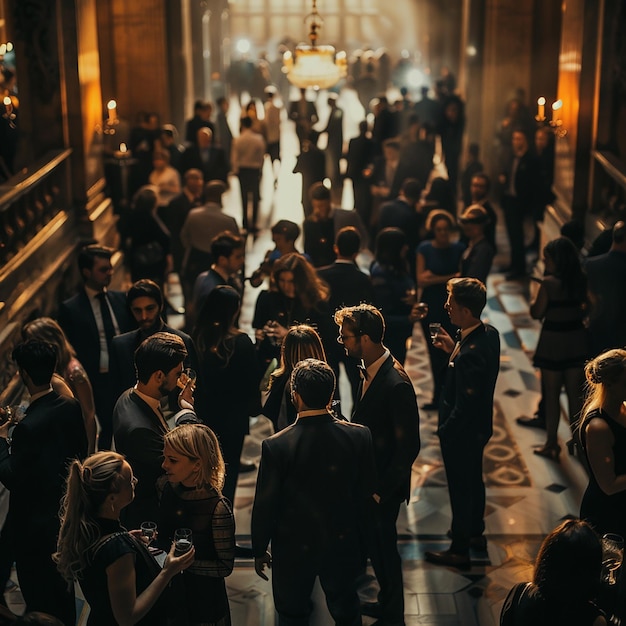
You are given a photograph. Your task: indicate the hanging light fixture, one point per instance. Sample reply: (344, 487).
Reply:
(312, 65)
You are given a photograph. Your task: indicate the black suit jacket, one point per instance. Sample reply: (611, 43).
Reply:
(389, 410)
(193, 125)
(77, 321)
(403, 171)
(528, 181)
(216, 167)
(360, 154)
(349, 286)
(315, 479)
(50, 435)
(138, 435)
(466, 405)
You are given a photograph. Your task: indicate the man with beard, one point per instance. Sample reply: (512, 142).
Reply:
(139, 423)
(145, 301)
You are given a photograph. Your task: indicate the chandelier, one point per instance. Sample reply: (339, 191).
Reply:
(312, 65)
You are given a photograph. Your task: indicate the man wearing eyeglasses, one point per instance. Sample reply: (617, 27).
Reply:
(386, 404)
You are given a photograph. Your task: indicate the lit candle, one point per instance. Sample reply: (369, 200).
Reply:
(123, 147)
(541, 109)
(112, 108)
(555, 111)
(8, 105)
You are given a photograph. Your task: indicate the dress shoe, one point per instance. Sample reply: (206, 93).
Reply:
(452, 559)
(478, 543)
(371, 609)
(243, 552)
(549, 451)
(244, 468)
(531, 422)
(382, 622)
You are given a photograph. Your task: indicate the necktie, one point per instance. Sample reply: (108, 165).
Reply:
(362, 371)
(457, 347)
(107, 320)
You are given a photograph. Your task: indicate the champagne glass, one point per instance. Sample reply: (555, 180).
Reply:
(187, 377)
(148, 530)
(612, 556)
(433, 329)
(182, 540)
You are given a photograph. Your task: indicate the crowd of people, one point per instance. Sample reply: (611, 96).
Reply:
(174, 405)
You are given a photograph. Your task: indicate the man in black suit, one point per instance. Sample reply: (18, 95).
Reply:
(466, 416)
(201, 119)
(360, 155)
(521, 183)
(145, 301)
(312, 513)
(349, 286)
(90, 320)
(34, 456)
(138, 421)
(304, 114)
(206, 157)
(388, 407)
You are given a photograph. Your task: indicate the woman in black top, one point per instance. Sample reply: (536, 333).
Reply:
(120, 579)
(297, 296)
(229, 377)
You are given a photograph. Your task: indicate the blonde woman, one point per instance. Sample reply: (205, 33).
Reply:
(301, 342)
(603, 435)
(70, 378)
(192, 498)
(120, 579)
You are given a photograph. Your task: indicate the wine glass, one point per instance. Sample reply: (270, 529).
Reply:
(612, 556)
(182, 540)
(187, 377)
(433, 329)
(148, 530)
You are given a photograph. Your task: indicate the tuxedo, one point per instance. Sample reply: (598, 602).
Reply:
(465, 426)
(77, 320)
(50, 435)
(215, 167)
(315, 482)
(138, 434)
(389, 409)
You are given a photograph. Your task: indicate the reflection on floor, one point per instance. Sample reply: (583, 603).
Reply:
(526, 494)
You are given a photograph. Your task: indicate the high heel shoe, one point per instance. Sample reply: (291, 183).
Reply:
(552, 452)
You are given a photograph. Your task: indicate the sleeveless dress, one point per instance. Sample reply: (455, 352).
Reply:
(607, 514)
(115, 543)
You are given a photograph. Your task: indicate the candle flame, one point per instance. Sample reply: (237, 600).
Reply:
(111, 104)
(557, 105)
(541, 101)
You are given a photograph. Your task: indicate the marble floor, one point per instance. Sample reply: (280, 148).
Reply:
(526, 494)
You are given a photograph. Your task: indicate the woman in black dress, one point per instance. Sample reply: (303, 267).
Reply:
(149, 246)
(229, 377)
(565, 584)
(119, 577)
(192, 498)
(603, 435)
(297, 296)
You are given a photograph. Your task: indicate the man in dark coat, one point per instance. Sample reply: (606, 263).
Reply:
(466, 416)
(138, 421)
(315, 484)
(201, 119)
(34, 459)
(387, 405)
(203, 155)
(360, 156)
(90, 320)
(304, 114)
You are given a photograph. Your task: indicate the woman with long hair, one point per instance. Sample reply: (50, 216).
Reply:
(149, 247)
(120, 579)
(438, 261)
(602, 431)
(565, 582)
(228, 393)
(297, 296)
(301, 342)
(70, 378)
(394, 289)
(192, 498)
(563, 345)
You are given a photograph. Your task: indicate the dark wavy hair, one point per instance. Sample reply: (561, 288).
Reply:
(390, 250)
(567, 266)
(310, 289)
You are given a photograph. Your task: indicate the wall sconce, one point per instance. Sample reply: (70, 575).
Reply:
(556, 123)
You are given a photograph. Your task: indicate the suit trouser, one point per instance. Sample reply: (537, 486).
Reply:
(249, 179)
(382, 547)
(463, 460)
(42, 586)
(293, 581)
(514, 219)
